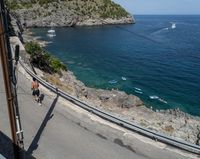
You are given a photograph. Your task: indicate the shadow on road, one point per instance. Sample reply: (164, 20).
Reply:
(48, 116)
(6, 148)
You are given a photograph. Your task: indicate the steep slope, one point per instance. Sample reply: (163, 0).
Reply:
(41, 13)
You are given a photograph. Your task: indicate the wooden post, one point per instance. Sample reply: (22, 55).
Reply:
(7, 83)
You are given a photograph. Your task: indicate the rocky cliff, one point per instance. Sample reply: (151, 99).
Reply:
(48, 13)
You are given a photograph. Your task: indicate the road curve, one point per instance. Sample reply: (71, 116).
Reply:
(51, 133)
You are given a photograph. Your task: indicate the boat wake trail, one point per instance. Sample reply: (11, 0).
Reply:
(112, 82)
(164, 29)
(154, 97)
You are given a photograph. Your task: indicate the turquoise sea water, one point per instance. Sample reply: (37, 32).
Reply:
(157, 59)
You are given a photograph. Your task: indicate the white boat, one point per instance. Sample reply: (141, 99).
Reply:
(124, 78)
(138, 92)
(153, 97)
(173, 25)
(51, 35)
(51, 31)
(138, 89)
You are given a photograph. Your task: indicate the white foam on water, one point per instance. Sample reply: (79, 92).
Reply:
(160, 31)
(113, 81)
(51, 35)
(165, 29)
(162, 100)
(158, 98)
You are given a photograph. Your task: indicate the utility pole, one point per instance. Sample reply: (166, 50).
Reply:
(7, 67)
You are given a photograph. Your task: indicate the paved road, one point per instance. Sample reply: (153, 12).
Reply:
(51, 133)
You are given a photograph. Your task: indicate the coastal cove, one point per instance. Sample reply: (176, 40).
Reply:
(157, 59)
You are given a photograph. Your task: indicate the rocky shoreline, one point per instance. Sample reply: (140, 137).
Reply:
(71, 13)
(172, 122)
(47, 22)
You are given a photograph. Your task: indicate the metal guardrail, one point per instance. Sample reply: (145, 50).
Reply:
(126, 124)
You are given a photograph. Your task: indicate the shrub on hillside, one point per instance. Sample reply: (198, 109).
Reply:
(42, 59)
(33, 48)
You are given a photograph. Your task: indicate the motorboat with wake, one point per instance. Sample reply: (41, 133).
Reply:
(51, 32)
(173, 25)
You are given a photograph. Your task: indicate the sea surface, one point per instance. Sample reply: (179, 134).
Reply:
(157, 59)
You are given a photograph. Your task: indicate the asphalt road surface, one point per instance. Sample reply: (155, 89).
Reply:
(51, 133)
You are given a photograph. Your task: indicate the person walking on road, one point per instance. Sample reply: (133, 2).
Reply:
(35, 89)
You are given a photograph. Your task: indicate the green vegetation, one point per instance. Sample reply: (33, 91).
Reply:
(56, 64)
(112, 10)
(90, 8)
(15, 5)
(33, 48)
(43, 2)
(42, 59)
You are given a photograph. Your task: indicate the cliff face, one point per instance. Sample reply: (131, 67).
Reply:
(42, 13)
